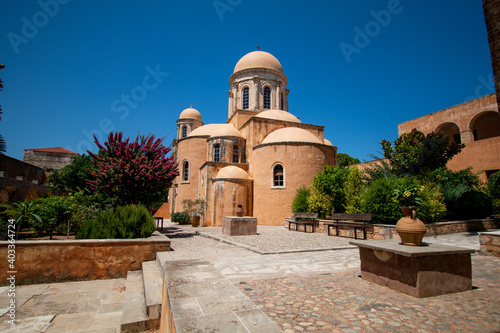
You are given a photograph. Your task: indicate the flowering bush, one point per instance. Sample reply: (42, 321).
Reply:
(134, 172)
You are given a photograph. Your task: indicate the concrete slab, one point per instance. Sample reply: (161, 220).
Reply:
(107, 320)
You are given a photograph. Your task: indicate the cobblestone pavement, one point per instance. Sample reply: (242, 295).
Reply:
(321, 291)
(343, 302)
(272, 239)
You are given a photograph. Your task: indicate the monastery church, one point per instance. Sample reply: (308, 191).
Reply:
(258, 158)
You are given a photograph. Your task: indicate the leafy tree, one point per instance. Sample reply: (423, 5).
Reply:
(327, 190)
(299, 203)
(3, 144)
(345, 160)
(133, 172)
(381, 169)
(494, 185)
(415, 153)
(54, 211)
(21, 212)
(353, 188)
(74, 176)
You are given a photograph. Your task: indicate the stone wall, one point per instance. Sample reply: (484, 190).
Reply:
(48, 160)
(77, 260)
(388, 231)
(490, 243)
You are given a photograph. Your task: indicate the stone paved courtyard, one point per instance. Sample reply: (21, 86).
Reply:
(311, 291)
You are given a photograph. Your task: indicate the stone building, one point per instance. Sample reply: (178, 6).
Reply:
(49, 158)
(476, 124)
(258, 158)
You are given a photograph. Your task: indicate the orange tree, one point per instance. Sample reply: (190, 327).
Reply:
(133, 172)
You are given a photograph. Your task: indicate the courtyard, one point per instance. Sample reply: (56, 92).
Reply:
(313, 285)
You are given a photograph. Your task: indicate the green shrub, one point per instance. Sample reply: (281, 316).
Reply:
(132, 221)
(327, 190)
(474, 205)
(451, 194)
(433, 207)
(378, 199)
(494, 185)
(182, 217)
(299, 203)
(352, 190)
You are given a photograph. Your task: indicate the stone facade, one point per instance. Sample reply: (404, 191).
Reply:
(49, 158)
(474, 123)
(492, 18)
(258, 158)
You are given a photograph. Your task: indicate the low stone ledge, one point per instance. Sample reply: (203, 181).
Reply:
(490, 243)
(239, 226)
(48, 261)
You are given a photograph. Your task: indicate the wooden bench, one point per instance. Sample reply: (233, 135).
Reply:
(356, 221)
(304, 219)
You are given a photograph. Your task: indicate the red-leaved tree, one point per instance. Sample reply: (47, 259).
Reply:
(137, 172)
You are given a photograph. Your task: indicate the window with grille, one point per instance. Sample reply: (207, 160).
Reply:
(217, 152)
(236, 154)
(185, 172)
(184, 131)
(267, 98)
(279, 176)
(282, 102)
(246, 98)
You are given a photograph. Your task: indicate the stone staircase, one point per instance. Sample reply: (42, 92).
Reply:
(142, 305)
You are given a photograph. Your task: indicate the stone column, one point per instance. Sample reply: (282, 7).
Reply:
(256, 81)
(467, 136)
(230, 105)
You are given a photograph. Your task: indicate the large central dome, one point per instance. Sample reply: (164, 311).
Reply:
(258, 59)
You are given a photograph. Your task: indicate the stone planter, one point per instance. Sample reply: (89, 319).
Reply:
(410, 228)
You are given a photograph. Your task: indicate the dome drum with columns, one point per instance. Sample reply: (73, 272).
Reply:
(258, 158)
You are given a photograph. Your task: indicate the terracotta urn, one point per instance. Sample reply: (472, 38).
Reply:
(195, 220)
(239, 211)
(410, 228)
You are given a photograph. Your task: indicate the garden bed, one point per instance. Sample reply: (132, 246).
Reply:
(47, 261)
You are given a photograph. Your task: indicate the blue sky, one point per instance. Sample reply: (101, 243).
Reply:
(357, 67)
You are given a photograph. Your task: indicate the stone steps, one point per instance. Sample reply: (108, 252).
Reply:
(134, 314)
(151, 273)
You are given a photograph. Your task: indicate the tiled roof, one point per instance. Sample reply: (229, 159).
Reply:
(58, 150)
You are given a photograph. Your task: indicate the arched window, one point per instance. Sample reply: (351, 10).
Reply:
(486, 126)
(185, 171)
(216, 152)
(451, 130)
(246, 98)
(184, 131)
(278, 176)
(267, 98)
(282, 102)
(236, 154)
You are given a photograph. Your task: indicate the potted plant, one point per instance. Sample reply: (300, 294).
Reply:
(195, 209)
(409, 227)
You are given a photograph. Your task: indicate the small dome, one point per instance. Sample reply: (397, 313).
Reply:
(190, 113)
(226, 130)
(258, 59)
(327, 142)
(291, 134)
(205, 130)
(278, 115)
(232, 172)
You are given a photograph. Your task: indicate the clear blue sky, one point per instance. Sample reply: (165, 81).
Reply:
(67, 66)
